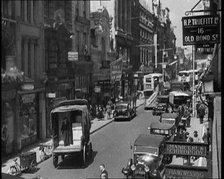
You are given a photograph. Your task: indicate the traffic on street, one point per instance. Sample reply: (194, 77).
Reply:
(111, 89)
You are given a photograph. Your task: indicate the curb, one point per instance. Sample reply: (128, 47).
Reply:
(101, 126)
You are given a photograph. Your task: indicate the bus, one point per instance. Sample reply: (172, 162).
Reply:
(184, 76)
(196, 74)
(150, 82)
(187, 75)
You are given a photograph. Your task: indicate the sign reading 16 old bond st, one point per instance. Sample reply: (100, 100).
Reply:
(200, 29)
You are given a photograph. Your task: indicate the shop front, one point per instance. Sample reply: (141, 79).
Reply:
(8, 118)
(28, 118)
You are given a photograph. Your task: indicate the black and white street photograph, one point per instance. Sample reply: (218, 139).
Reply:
(111, 89)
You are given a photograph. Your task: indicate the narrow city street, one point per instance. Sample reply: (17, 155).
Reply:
(111, 146)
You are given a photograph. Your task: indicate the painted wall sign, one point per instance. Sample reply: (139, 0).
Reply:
(190, 149)
(200, 29)
(188, 172)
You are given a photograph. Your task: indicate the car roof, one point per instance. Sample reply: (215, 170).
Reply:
(162, 96)
(169, 115)
(122, 103)
(149, 140)
(179, 93)
(72, 102)
(159, 125)
(67, 108)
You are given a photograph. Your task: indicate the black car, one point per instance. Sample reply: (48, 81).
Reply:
(161, 105)
(124, 110)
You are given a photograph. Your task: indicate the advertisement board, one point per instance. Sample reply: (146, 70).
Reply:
(201, 29)
(188, 172)
(185, 148)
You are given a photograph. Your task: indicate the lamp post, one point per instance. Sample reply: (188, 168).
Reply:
(193, 85)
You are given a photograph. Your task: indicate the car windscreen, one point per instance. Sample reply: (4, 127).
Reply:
(121, 106)
(148, 93)
(168, 121)
(162, 100)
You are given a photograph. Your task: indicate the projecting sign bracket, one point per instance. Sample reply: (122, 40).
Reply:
(187, 13)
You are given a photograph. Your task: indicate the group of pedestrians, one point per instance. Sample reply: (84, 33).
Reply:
(106, 111)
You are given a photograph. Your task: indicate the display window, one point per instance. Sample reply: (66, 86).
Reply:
(28, 118)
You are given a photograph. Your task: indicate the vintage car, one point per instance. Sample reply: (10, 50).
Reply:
(164, 129)
(177, 98)
(167, 130)
(161, 105)
(148, 157)
(71, 130)
(170, 118)
(124, 110)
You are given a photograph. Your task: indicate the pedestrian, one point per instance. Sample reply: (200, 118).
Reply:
(104, 173)
(195, 137)
(201, 114)
(65, 131)
(207, 137)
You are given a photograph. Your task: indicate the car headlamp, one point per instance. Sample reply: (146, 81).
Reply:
(133, 167)
(154, 172)
(146, 168)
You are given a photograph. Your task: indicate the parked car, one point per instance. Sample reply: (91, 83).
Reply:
(124, 110)
(170, 118)
(167, 130)
(147, 158)
(161, 105)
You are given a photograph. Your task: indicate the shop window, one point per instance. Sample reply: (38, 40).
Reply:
(28, 119)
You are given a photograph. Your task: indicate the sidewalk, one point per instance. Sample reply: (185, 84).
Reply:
(96, 124)
(195, 126)
(201, 128)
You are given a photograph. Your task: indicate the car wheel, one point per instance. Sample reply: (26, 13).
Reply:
(55, 160)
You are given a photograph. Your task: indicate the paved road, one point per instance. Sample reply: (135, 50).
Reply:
(111, 146)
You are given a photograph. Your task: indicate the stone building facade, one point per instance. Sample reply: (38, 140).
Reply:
(23, 103)
(101, 54)
(121, 39)
(67, 31)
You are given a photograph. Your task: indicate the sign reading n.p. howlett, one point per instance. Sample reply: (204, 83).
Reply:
(190, 149)
(200, 29)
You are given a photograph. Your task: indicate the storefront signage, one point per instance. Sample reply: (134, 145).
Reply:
(73, 56)
(200, 29)
(51, 95)
(28, 98)
(184, 148)
(188, 172)
(27, 86)
(97, 89)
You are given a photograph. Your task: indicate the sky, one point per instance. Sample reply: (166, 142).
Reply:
(177, 11)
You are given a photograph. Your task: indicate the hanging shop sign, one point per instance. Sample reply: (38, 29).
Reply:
(73, 56)
(97, 89)
(182, 172)
(185, 148)
(200, 29)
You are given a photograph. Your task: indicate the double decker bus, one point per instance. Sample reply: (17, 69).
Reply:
(150, 83)
(184, 76)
